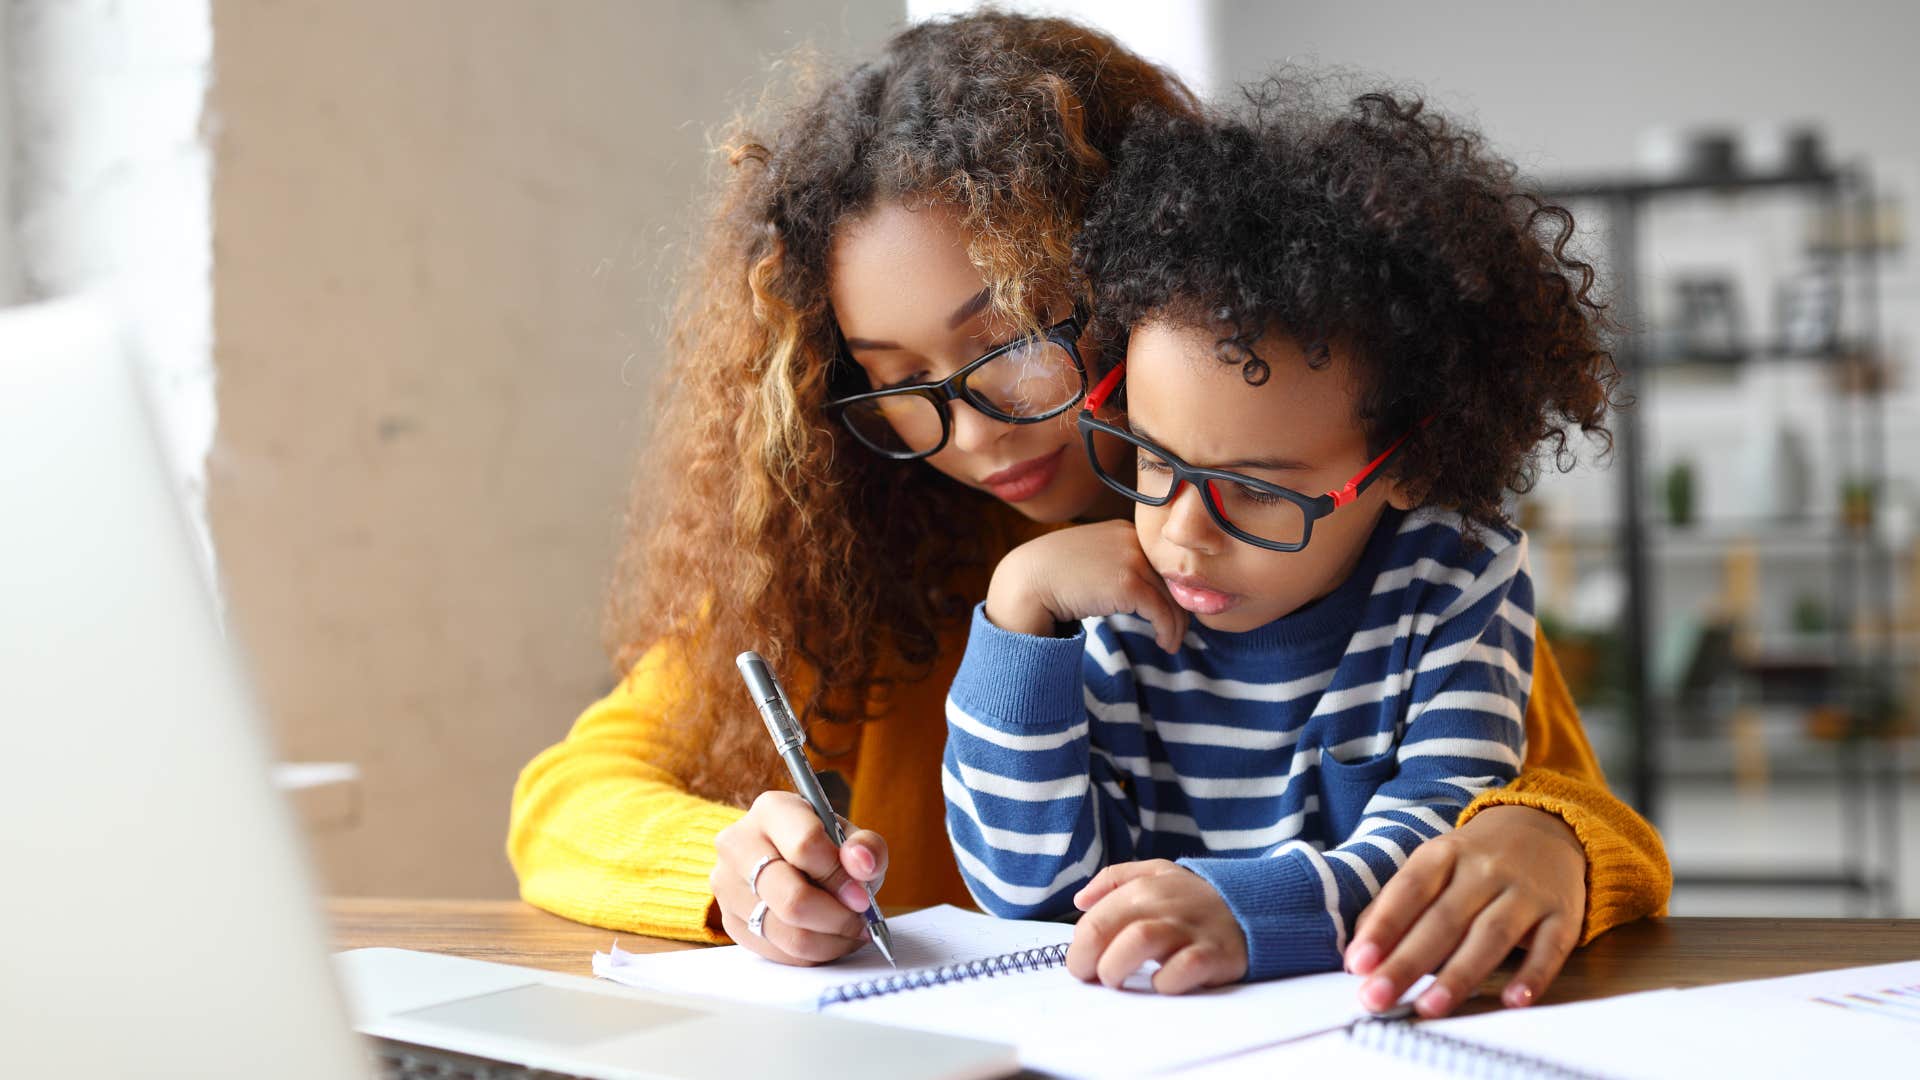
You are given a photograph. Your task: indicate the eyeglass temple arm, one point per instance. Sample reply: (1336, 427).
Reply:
(1344, 495)
(1106, 387)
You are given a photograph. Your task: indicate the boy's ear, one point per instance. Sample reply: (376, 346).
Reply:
(1399, 495)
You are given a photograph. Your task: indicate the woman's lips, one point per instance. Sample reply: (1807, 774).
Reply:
(1197, 596)
(1025, 480)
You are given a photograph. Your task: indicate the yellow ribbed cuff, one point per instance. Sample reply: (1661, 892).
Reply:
(668, 897)
(1628, 876)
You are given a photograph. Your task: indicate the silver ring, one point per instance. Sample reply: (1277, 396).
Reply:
(753, 875)
(757, 920)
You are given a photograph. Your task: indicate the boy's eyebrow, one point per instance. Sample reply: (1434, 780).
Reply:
(1276, 464)
(974, 305)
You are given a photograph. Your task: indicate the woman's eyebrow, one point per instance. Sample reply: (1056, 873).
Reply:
(974, 305)
(1277, 464)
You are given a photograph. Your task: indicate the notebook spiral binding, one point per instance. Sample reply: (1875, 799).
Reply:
(1450, 1053)
(1004, 964)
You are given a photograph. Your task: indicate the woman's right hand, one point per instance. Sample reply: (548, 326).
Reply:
(813, 890)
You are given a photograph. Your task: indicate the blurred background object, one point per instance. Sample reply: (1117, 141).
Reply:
(398, 276)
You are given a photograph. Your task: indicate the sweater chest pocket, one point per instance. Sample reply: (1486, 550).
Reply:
(1345, 788)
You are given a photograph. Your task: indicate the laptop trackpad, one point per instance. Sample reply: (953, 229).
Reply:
(548, 1014)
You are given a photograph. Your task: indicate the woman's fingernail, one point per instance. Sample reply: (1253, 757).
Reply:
(1435, 1002)
(1377, 995)
(1363, 957)
(852, 895)
(1517, 996)
(863, 862)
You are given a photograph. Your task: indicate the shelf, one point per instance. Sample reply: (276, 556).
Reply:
(1837, 355)
(1810, 537)
(1639, 187)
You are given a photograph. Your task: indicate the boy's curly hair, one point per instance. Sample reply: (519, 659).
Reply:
(755, 522)
(1379, 228)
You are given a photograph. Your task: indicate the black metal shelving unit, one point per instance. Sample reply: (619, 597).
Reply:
(1866, 769)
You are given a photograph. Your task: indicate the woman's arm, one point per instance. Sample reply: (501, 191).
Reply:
(1561, 862)
(603, 832)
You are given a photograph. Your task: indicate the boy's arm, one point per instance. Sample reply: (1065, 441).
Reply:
(1464, 735)
(1033, 813)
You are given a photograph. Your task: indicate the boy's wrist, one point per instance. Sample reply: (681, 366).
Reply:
(1013, 606)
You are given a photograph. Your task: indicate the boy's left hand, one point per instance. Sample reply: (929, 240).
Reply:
(1156, 910)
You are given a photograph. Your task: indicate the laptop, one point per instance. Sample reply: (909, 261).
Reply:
(157, 913)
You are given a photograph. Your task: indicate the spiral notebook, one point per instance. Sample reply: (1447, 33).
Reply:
(1846, 1022)
(1005, 980)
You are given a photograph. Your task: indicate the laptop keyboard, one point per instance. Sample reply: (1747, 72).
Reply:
(405, 1061)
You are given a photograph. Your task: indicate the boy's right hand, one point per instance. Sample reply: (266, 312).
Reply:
(813, 890)
(1079, 573)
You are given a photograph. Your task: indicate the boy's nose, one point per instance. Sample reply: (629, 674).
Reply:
(1188, 524)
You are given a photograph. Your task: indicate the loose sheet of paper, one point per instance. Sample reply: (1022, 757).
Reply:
(1060, 1024)
(1850, 1022)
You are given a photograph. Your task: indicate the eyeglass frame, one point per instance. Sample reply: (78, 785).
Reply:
(1312, 507)
(1065, 333)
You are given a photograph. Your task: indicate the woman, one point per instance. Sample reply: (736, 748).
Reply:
(911, 223)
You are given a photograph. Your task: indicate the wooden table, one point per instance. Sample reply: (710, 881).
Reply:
(1646, 955)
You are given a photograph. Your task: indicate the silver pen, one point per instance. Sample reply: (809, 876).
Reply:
(791, 742)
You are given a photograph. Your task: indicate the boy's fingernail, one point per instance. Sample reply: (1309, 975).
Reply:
(852, 895)
(1363, 957)
(1377, 995)
(1517, 996)
(1435, 1002)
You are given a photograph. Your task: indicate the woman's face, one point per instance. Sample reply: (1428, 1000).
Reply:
(914, 310)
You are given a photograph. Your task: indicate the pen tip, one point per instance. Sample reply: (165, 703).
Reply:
(883, 941)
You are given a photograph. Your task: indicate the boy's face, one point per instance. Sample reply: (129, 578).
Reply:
(1297, 430)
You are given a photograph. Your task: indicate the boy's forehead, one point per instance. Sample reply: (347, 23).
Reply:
(1181, 391)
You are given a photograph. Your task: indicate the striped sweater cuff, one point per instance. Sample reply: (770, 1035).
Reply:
(1019, 680)
(1628, 876)
(1281, 906)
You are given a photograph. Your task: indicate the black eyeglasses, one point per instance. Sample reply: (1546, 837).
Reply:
(1022, 382)
(1247, 509)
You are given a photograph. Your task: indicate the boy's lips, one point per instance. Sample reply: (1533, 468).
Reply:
(1021, 482)
(1197, 595)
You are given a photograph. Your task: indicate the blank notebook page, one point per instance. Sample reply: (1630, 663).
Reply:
(1060, 1024)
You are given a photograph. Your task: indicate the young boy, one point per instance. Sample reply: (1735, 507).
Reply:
(1220, 729)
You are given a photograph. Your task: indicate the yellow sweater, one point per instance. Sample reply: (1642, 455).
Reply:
(602, 831)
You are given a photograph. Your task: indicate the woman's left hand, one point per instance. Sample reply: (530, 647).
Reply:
(1513, 876)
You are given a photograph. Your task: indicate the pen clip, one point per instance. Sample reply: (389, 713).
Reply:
(771, 699)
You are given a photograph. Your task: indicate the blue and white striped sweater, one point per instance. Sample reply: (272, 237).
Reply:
(1294, 767)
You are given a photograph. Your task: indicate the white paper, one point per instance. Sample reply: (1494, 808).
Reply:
(1060, 1024)
(1833, 1023)
(926, 938)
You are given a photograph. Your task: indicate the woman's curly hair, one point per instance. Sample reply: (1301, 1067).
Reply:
(1381, 229)
(756, 523)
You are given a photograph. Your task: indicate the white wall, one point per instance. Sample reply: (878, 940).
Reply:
(9, 257)
(110, 187)
(446, 231)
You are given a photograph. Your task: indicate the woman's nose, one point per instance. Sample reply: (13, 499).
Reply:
(973, 430)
